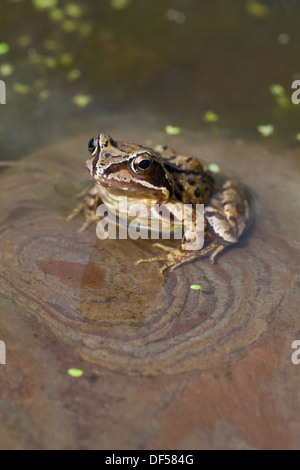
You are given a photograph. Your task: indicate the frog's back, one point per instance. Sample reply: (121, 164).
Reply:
(191, 183)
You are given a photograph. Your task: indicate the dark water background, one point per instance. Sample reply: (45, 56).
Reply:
(168, 62)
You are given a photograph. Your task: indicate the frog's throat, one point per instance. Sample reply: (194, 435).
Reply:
(164, 215)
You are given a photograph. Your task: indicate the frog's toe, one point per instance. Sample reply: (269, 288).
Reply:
(86, 225)
(150, 260)
(215, 253)
(75, 212)
(171, 260)
(177, 258)
(169, 249)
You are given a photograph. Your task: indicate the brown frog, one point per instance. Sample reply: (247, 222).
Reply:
(150, 177)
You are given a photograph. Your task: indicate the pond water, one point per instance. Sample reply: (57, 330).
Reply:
(218, 67)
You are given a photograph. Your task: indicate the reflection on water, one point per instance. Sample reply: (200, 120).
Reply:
(211, 67)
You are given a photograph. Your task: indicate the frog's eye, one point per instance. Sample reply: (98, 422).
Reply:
(141, 164)
(92, 146)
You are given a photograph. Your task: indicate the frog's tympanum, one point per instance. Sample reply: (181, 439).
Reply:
(150, 177)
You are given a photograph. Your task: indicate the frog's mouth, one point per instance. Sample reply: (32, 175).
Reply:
(121, 184)
(132, 191)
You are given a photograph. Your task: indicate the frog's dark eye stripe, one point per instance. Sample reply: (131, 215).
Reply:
(93, 145)
(141, 164)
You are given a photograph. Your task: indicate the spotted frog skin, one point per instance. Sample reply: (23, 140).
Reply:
(150, 177)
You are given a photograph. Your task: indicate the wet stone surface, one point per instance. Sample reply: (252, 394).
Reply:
(154, 352)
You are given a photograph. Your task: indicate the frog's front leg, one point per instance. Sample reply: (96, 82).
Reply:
(192, 242)
(88, 205)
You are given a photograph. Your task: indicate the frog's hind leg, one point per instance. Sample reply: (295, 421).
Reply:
(177, 258)
(172, 260)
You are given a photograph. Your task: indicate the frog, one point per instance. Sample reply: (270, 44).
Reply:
(145, 175)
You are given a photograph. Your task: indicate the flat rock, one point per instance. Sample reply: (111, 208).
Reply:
(208, 369)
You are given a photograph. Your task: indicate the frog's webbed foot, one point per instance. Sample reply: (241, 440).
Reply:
(171, 260)
(88, 206)
(177, 258)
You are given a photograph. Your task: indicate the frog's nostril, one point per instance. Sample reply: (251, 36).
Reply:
(112, 142)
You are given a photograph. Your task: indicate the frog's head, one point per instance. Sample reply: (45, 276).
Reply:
(127, 169)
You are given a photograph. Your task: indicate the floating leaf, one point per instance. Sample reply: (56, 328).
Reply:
(266, 130)
(119, 4)
(66, 59)
(73, 10)
(69, 26)
(75, 373)
(24, 41)
(42, 4)
(73, 75)
(196, 287)
(277, 90)
(6, 70)
(4, 48)
(158, 148)
(82, 100)
(210, 116)
(257, 9)
(298, 136)
(284, 101)
(21, 88)
(57, 14)
(214, 168)
(172, 130)
(50, 62)
(51, 45)
(281, 96)
(44, 94)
